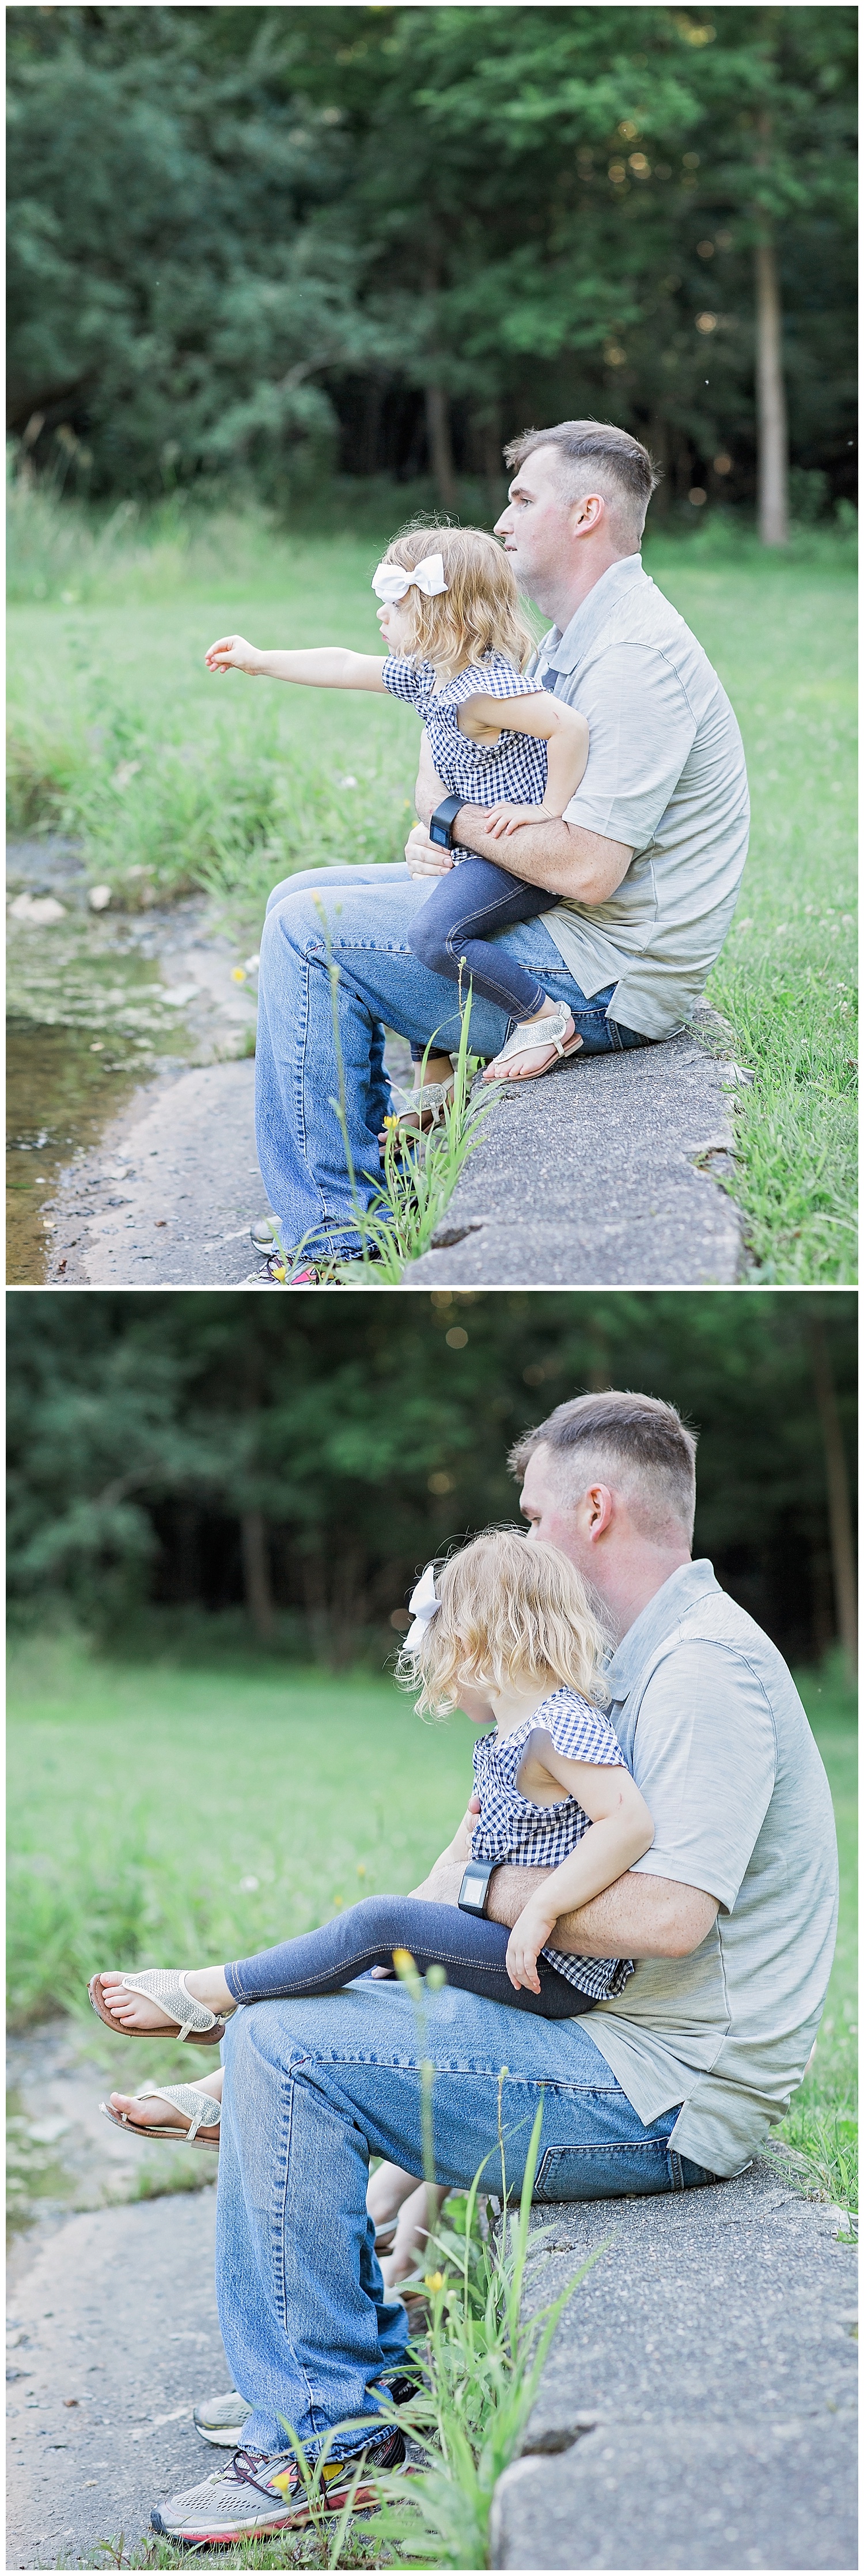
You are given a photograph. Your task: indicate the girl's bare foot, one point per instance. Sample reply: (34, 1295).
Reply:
(412, 2230)
(136, 2012)
(430, 1081)
(532, 1060)
(388, 2188)
(153, 2114)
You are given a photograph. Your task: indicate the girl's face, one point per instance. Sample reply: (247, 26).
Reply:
(396, 622)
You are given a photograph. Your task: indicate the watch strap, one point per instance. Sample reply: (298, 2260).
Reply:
(445, 817)
(474, 1890)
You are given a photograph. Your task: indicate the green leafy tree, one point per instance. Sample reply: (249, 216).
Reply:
(229, 226)
(173, 283)
(342, 1443)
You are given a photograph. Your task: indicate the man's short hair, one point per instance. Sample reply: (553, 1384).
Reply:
(595, 453)
(632, 1442)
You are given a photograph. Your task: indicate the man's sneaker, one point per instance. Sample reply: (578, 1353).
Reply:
(221, 2419)
(263, 1233)
(260, 2494)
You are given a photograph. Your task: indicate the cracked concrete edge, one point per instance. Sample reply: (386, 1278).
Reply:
(670, 2489)
(474, 1245)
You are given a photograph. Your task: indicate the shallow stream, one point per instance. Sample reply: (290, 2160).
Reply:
(97, 1002)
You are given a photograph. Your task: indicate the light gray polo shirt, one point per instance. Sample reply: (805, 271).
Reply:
(713, 1730)
(666, 776)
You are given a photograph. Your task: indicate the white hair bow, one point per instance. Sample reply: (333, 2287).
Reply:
(423, 1604)
(391, 581)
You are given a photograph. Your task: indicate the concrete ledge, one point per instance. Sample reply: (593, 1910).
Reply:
(591, 1178)
(698, 2405)
(685, 2495)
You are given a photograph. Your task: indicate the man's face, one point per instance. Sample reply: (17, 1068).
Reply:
(550, 1519)
(536, 525)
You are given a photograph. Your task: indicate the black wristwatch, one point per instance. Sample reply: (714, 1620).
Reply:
(474, 1890)
(443, 819)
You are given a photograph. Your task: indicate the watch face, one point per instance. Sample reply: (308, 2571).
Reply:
(438, 832)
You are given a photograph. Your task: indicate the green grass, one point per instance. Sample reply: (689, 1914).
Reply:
(822, 2125)
(174, 778)
(161, 1813)
(781, 635)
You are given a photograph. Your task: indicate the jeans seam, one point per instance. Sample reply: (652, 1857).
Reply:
(281, 2286)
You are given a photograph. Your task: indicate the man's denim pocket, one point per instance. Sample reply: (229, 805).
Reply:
(608, 2171)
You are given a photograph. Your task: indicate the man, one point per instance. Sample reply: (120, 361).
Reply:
(646, 862)
(730, 1916)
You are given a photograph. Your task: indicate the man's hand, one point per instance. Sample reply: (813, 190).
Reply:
(425, 858)
(638, 1918)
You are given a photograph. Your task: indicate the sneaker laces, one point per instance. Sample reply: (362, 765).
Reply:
(241, 2470)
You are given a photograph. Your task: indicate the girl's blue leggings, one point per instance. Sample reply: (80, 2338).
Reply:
(453, 934)
(470, 1950)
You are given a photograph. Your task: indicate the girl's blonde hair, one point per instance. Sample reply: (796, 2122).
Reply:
(510, 1606)
(479, 612)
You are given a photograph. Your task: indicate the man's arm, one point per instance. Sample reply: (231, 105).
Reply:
(559, 855)
(638, 1918)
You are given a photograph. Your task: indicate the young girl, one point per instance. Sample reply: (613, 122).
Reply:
(456, 647)
(509, 1618)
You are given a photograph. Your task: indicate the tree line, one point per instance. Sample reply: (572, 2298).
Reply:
(262, 241)
(304, 1458)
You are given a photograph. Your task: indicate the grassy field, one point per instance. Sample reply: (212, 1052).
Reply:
(174, 778)
(141, 1830)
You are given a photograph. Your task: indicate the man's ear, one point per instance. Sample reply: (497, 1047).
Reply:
(588, 513)
(599, 1507)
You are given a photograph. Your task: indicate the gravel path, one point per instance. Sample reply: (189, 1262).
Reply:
(168, 1200)
(113, 2330)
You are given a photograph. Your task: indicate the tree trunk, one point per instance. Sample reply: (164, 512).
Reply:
(771, 401)
(440, 450)
(490, 443)
(256, 1574)
(839, 1507)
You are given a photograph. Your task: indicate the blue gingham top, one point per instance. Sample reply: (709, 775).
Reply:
(482, 773)
(511, 1828)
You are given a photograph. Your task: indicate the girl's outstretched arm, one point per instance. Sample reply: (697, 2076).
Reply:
(325, 666)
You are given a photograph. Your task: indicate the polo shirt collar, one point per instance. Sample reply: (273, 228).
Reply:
(676, 1596)
(561, 652)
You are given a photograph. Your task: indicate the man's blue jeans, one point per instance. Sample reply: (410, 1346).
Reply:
(311, 2090)
(336, 969)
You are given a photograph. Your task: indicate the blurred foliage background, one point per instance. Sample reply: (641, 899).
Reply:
(282, 244)
(287, 1470)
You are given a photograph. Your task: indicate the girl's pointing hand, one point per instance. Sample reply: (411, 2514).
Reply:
(232, 653)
